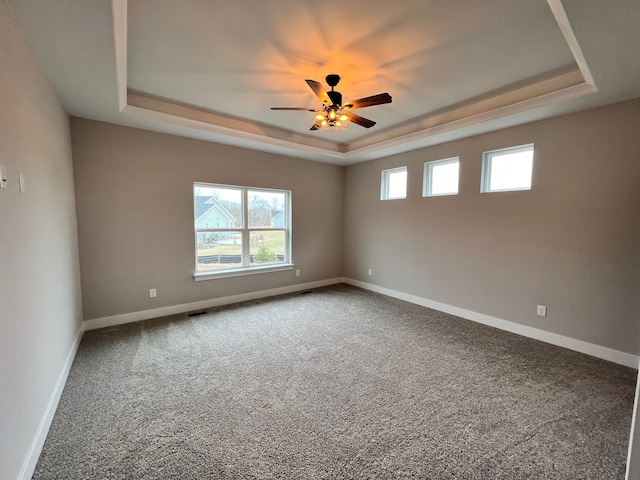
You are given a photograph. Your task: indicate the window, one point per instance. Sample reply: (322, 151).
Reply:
(252, 233)
(507, 169)
(393, 184)
(441, 177)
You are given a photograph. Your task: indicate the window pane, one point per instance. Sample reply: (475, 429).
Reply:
(217, 207)
(240, 228)
(266, 209)
(267, 246)
(219, 250)
(507, 169)
(444, 178)
(398, 184)
(512, 170)
(393, 183)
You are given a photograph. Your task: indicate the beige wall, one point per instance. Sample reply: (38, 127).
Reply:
(40, 311)
(135, 216)
(571, 243)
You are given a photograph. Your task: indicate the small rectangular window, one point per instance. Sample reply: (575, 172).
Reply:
(393, 184)
(441, 177)
(507, 169)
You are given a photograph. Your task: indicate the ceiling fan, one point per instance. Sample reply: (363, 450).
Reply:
(334, 114)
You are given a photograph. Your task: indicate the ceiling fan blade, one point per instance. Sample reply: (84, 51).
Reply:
(314, 127)
(307, 109)
(369, 101)
(363, 122)
(318, 89)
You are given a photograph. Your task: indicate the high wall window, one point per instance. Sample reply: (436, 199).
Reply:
(507, 169)
(441, 177)
(240, 230)
(393, 184)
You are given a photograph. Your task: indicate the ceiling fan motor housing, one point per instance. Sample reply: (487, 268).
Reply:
(336, 97)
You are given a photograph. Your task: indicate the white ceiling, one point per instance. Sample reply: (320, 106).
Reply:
(211, 69)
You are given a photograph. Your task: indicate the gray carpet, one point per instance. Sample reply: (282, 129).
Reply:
(339, 383)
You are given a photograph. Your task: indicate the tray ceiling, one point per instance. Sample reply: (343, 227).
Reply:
(211, 69)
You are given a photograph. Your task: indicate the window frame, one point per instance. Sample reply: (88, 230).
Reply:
(245, 231)
(487, 157)
(427, 177)
(384, 183)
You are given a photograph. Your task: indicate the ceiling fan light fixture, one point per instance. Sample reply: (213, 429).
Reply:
(331, 118)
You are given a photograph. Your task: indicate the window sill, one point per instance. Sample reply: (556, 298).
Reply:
(241, 272)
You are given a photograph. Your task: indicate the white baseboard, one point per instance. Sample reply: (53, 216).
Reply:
(594, 350)
(110, 321)
(31, 460)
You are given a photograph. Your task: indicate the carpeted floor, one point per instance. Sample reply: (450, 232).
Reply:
(339, 383)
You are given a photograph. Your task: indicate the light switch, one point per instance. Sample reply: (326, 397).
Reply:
(3, 176)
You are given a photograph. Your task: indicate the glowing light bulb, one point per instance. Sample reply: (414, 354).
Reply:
(319, 116)
(324, 122)
(332, 114)
(344, 117)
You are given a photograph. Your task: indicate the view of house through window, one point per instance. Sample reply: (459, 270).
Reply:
(240, 227)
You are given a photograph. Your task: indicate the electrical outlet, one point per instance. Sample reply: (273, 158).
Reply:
(297, 273)
(153, 293)
(370, 272)
(542, 311)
